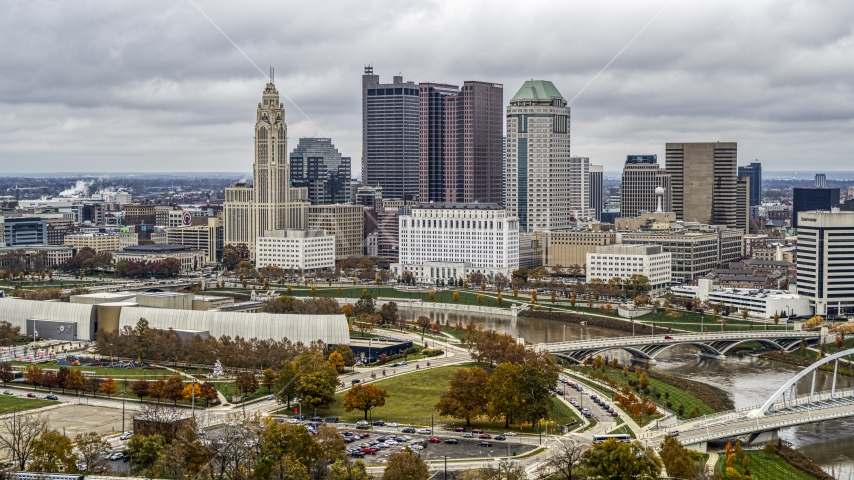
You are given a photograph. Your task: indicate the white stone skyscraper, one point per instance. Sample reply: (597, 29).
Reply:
(540, 191)
(269, 203)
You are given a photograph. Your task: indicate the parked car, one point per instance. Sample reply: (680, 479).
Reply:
(52, 397)
(7, 392)
(485, 436)
(316, 419)
(500, 437)
(41, 396)
(125, 436)
(424, 431)
(355, 381)
(379, 423)
(468, 435)
(31, 395)
(434, 440)
(332, 420)
(453, 441)
(357, 454)
(484, 444)
(510, 434)
(476, 430)
(116, 456)
(392, 424)
(408, 430)
(271, 397)
(459, 429)
(363, 425)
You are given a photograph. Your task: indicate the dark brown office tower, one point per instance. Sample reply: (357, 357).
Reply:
(704, 182)
(461, 135)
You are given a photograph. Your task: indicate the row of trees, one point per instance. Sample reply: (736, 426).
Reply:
(87, 260)
(145, 343)
(168, 267)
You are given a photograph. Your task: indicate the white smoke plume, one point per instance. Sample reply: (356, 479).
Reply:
(80, 188)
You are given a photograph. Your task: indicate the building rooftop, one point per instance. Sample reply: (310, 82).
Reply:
(157, 248)
(460, 206)
(537, 90)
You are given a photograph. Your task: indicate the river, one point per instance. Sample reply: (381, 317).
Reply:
(749, 380)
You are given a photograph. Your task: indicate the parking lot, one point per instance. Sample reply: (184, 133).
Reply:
(584, 399)
(464, 448)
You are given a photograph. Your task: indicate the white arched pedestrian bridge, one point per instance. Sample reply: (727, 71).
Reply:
(650, 346)
(785, 408)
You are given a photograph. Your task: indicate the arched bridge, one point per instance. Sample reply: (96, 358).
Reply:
(785, 408)
(710, 344)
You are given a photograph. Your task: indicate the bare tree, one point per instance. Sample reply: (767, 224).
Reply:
(235, 451)
(17, 434)
(90, 449)
(565, 461)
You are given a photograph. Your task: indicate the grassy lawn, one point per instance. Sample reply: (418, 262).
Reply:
(623, 429)
(116, 373)
(412, 397)
(765, 466)
(9, 404)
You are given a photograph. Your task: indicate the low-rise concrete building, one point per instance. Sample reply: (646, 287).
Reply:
(190, 258)
(306, 249)
(623, 261)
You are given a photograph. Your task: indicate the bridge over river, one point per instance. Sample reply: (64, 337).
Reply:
(785, 408)
(714, 345)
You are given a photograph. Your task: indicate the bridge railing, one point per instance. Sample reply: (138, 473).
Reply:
(675, 338)
(739, 413)
(760, 426)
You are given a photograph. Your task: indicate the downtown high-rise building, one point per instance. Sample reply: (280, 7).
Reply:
(754, 172)
(704, 182)
(597, 194)
(318, 166)
(641, 176)
(538, 159)
(269, 203)
(461, 142)
(390, 136)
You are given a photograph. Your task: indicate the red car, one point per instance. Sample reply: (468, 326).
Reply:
(434, 440)
(476, 430)
(369, 450)
(485, 436)
(31, 395)
(668, 337)
(460, 429)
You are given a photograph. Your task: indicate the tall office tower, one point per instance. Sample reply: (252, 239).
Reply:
(754, 171)
(269, 203)
(579, 187)
(460, 142)
(641, 176)
(538, 165)
(820, 180)
(390, 136)
(743, 191)
(813, 199)
(824, 259)
(703, 178)
(317, 165)
(597, 194)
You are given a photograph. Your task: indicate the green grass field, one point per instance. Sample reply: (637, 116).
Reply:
(765, 466)
(412, 399)
(9, 404)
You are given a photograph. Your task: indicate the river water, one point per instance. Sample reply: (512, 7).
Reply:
(749, 380)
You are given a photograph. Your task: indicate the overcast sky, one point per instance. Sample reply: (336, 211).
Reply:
(116, 86)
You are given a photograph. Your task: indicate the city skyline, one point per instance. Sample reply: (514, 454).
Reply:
(168, 93)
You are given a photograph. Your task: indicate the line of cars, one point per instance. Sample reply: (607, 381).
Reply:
(41, 396)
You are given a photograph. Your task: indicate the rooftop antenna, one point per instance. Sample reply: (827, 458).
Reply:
(271, 73)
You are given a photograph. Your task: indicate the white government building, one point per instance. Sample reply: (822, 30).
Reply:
(305, 249)
(623, 261)
(759, 302)
(442, 241)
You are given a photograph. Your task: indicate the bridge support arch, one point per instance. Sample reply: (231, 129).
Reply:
(789, 388)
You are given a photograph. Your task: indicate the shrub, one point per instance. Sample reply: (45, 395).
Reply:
(681, 410)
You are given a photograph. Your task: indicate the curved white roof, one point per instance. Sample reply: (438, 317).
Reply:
(331, 329)
(17, 311)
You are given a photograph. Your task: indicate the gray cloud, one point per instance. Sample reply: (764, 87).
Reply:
(152, 86)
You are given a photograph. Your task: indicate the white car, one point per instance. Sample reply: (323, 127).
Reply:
(293, 421)
(424, 431)
(41, 396)
(391, 442)
(117, 456)
(509, 434)
(125, 436)
(392, 425)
